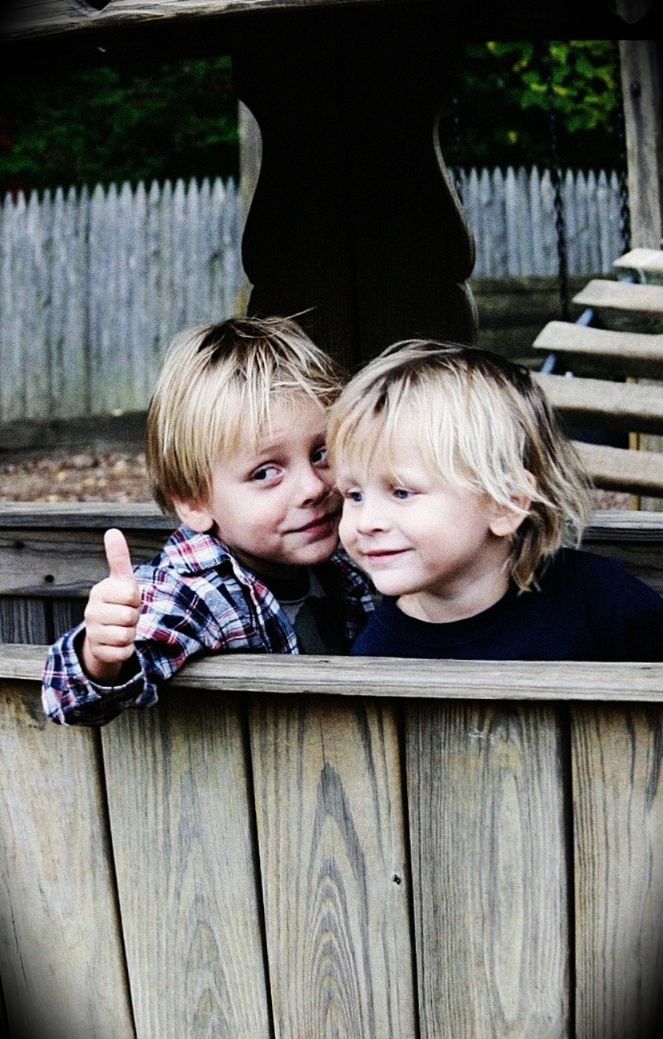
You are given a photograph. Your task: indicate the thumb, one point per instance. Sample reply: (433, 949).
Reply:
(117, 554)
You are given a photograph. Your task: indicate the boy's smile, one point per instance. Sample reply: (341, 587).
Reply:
(274, 505)
(438, 548)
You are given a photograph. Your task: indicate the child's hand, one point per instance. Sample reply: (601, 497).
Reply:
(111, 614)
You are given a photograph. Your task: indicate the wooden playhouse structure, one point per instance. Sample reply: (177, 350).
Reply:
(324, 848)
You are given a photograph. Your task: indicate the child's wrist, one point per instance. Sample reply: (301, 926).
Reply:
(101, 671)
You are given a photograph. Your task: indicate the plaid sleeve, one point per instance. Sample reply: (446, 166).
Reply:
(175, 624)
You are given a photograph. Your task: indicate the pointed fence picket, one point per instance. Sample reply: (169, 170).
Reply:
(94, 284)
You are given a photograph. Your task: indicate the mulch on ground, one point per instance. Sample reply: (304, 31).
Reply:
(119, 476)
(116, 476)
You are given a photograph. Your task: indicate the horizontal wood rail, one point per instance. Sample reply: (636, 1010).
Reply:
(425, 849)
(600, 294)
(622, 406)
(616, 468)
(636, 354)
(648, 263)
(394, 678)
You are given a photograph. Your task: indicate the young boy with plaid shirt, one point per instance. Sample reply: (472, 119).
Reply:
(236, 448)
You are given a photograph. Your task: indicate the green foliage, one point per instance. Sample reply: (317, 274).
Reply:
(180, 120)
(109, 124)
(504, 93)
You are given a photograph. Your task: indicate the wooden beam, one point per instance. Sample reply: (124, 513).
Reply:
(630, 407)
(39, 18)
(648, 263)
(642, 89)
(629, 353)
(401, 679)
(614, 468)
(602, 294)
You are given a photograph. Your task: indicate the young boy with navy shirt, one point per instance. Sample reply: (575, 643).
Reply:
(459, 492)
(236, 449)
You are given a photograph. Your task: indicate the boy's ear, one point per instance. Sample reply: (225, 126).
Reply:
(507, 519)
(195, 515)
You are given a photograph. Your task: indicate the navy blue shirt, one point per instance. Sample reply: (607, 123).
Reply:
(587, 607)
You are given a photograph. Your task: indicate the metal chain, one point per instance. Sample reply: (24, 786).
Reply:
(558, 201)
(622, 172)
(458, 183)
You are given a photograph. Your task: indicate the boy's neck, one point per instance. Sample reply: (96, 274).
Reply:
(285, 582)
(455, 604)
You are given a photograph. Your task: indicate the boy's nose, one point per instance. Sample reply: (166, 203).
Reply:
(312, 486)
(368, 518)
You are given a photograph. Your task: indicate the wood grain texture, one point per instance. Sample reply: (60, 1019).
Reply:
(644, 261)
(621, 295)
(619, 469)
(616, 405)
(488, 863)
(33, 18)
(180, 816)
(395, 678)
(61, 955)
(335, 875)
(33, 560)
(618, 811)
(629, 353)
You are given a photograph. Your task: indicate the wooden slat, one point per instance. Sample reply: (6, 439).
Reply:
(615, 468)
(62, 560)
(629, 353)
(646, 261)
(620, 295)
(92, 515)
(61, 953)
(402, 679)
(34, 18)
(488, 862)
(331, 830)
(178, 795)
(618, 831)
(616, 405)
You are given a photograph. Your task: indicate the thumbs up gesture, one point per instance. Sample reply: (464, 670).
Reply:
(111, 614)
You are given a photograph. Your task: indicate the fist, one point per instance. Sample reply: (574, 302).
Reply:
(111, 614)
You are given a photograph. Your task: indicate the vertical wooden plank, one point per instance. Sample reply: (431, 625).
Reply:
(642, 89)
(618, 812)
(181, 820)
(24, 620)
(488, 863)
(334, 871)
(61, 955)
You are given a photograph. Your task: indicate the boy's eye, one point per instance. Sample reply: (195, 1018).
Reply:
(319, 456)
(353, 496)
(401, 493)
(265, 473)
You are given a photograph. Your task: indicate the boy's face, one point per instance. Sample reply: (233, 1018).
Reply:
(418, 538)
(274, 506)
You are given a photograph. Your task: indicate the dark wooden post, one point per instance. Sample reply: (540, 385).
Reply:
(353, 218)
(642, 86)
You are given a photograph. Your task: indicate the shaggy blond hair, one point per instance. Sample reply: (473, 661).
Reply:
(483, 425)
(216, 391)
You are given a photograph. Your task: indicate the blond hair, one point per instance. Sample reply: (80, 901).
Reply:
(216, 391)
(483, 425)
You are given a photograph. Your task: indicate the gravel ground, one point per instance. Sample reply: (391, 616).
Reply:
(118, 476)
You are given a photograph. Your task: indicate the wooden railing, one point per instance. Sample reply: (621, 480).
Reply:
(315, 848)
(357, 849)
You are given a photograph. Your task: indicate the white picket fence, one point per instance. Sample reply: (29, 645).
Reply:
(94, 286)
(512, 216)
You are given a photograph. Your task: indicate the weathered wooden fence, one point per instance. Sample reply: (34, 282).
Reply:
(328, 849)
(93, 287)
